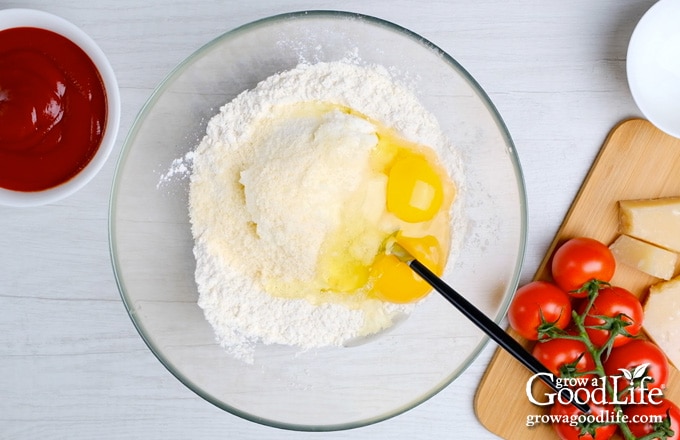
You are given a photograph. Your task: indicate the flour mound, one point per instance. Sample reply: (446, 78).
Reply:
(263, 195)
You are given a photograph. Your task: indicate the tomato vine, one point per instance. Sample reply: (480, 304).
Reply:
(602, 319)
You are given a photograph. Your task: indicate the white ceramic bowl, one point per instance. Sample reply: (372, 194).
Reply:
(334, 387)
(653, 66)
(13, 18)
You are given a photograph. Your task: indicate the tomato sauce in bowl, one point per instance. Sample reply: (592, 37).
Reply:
(59, 108)
(52, 109)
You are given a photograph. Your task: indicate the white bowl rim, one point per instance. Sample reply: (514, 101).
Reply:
(19, 17)
(660, 109)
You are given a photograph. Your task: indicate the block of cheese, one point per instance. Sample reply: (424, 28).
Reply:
(662, 318)
(656, 221)
(644, 256)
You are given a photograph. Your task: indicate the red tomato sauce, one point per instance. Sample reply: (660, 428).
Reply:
(53, 109)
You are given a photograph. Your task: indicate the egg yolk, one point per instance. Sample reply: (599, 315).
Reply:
(414, 189)
(395, 282)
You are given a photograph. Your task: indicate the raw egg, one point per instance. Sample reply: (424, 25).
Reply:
(394, 281)
(412, 195)
(414, 189)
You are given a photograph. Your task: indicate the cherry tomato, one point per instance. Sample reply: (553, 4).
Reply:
(637, 413)
(538, 305)
(559, 355)
(613, 302)
(580, 260)
(632, 355)
(582, 431)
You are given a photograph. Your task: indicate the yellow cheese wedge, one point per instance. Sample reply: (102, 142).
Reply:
(656, 221)
(662, 318)
(645, 257)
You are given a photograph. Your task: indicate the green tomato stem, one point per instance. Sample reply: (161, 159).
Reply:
(596, 353)
(593, 287)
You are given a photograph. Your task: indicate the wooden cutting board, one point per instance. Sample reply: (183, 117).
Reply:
(636, 161)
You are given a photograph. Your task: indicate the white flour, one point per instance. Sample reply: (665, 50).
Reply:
(179, 168)
(242, 237)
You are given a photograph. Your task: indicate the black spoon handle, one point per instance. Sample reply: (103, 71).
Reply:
(489, 327)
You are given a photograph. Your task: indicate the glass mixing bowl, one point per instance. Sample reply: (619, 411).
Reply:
(329, 388)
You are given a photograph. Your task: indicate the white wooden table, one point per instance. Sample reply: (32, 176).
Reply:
(71, 363)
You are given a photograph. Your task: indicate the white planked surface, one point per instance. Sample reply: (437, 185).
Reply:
(71, 363)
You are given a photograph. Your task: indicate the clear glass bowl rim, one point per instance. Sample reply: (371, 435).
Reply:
(301, 15)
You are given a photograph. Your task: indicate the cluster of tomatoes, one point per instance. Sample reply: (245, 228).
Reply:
(586, 327)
